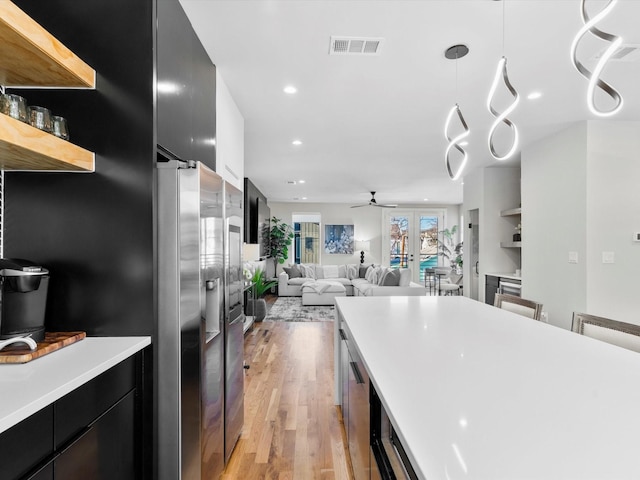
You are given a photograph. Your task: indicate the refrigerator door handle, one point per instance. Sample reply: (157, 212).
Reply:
(212, 308)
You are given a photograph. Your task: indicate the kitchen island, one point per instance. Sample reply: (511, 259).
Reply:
(476, 392)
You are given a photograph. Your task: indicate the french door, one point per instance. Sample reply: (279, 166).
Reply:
(410, 239)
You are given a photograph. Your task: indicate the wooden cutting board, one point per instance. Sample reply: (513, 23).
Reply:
(53, 341)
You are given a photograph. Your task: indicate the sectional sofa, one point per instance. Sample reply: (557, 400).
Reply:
(358, 280)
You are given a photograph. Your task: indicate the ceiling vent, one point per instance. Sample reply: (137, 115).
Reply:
(624, 53)
(355, 46)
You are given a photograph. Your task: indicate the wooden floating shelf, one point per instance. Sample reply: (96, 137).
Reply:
(31, 56)
(23, 147)
(511, 244)
(510, 212)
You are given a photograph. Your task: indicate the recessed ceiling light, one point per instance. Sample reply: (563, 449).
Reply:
(304, 198)
(301, 181)
(426, 199)
(297, 142)
(290, 89)
(464, 144)
(534, 95)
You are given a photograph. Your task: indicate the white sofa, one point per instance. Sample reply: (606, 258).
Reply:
(358, 280)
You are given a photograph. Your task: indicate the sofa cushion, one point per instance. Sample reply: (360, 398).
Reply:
(390, 278)
(293, 271)
(330, 271)
(342, 271)
(298, 281)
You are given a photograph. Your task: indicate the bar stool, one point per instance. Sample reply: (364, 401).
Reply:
(444, 285)
(430, 280)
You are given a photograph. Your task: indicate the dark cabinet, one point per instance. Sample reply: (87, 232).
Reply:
(44, 473)
(36, 432)
(491, 286)
(204, 106)
(174, 60)
(93, 432)
(105, 450)
(186, 88)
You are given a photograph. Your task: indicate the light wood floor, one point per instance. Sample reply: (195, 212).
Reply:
(292, 430)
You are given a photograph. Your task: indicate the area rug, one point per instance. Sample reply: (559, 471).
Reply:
(290, 309)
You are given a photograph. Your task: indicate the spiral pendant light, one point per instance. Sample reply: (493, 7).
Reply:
(502, 117)
(455, 52)
(594, 77)
(501, 71)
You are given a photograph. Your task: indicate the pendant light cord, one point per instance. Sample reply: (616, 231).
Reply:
(503, 23)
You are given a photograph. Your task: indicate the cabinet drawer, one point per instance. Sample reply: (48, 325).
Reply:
(105, 451)
(81, 407)
(26, 444)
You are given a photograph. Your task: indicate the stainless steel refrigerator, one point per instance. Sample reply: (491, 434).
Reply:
(199, 353)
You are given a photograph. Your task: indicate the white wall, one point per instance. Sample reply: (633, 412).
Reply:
(229, 136)
(613, 214)
(554, 223)
(580, 194)
(367, 223)
(491, 190)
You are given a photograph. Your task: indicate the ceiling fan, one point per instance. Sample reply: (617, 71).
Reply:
(373, 203)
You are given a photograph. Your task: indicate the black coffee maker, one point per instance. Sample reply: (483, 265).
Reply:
(23, 298)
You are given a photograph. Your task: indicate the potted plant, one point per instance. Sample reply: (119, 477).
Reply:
(278, 239)
(257, 306)
(446, 248)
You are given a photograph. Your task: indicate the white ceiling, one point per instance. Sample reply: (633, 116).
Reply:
(377, 122)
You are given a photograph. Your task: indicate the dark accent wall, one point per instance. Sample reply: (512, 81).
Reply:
(95, 232)
(256, 214)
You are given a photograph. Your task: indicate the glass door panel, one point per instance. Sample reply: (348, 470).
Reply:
(410, 238)
(399, 241)
(428, 244)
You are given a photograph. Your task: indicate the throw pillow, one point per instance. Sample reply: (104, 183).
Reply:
(372, 275)
(381, 274)
(362, 271)
(352, 271)
(330, 271)
(405, 277)
(319, 272)
(293, 271)
(391, 278)
(308, 271)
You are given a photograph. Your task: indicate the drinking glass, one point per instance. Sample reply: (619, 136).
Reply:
(14, 105)
(59, 126)
(40, 117)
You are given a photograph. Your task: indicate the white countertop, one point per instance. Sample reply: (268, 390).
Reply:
(479, 393)
(512, 276)
(27, 388)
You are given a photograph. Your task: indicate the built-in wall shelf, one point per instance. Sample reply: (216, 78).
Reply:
(510, 212)
(511, 244)
(23, 147)
(31, 56)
